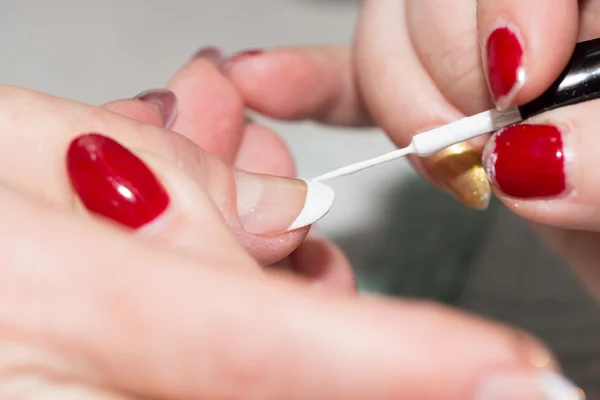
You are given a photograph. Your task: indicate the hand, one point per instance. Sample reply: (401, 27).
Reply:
(172, 303)
(245, 145)
(424, 58)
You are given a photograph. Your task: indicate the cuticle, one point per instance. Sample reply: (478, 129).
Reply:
(487, 158)
(505, 22)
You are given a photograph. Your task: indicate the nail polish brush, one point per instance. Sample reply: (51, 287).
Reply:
(579, 82)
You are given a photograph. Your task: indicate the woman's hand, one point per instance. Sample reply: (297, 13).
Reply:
(202, 105)
(90, 311)
(419, 64)
(165, 297)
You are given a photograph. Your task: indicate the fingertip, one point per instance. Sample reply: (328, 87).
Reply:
(270, 206)
(165, 101)
(278, 83)
(113, 183)
(211, 111)
(148, 196)
(302, 83)
(318, 202)
(459, 171)
(140, 111)
(324, 264)
(532, 169)
(525, 46)
(211, 53)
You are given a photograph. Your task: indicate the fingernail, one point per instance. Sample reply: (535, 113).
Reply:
(504, 62)
(542, 385)
(211, 53)
(165, 101)
(527, 161)
(114, 183)
(460, 170)
(269, 205)
(239, 57)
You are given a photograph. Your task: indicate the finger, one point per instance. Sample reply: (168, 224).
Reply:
(257, 208)
(190, 347)
(156, 107)
(295, 84)
(142, 112)
(542, 169)
(392, 78)
(200, 86)
(316, 259)
(589, 11)
(257, 142)
(447, 48)
(324, 264)
(271, 82)
(524, 48)
(146, 193)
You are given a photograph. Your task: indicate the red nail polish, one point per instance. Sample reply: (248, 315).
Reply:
(504, 64)
(112, 182)
(527, 161)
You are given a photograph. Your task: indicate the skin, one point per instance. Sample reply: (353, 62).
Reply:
(224, 133)
(90, 310)
(425, 58)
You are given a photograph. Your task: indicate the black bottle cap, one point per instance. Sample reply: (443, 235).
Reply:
(579, 82)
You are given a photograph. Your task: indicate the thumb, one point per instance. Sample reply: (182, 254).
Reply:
(144, 191)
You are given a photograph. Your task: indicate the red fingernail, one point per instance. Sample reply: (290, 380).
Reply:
(504, 65)
(240, 56)
(165, 101)
(528, 161)
(112, 182)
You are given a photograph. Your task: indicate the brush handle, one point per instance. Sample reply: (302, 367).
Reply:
(579, 82)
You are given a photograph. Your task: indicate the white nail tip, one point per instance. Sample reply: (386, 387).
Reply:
(557, 387)
(319, 198)
(543, 385)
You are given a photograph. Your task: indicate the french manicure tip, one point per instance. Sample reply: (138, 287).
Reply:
(319, 199)
(557, 387)
(538, 385)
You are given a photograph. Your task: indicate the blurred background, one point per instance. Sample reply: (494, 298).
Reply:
(403, 237)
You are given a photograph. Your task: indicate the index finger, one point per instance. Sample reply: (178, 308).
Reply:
(170, 328)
